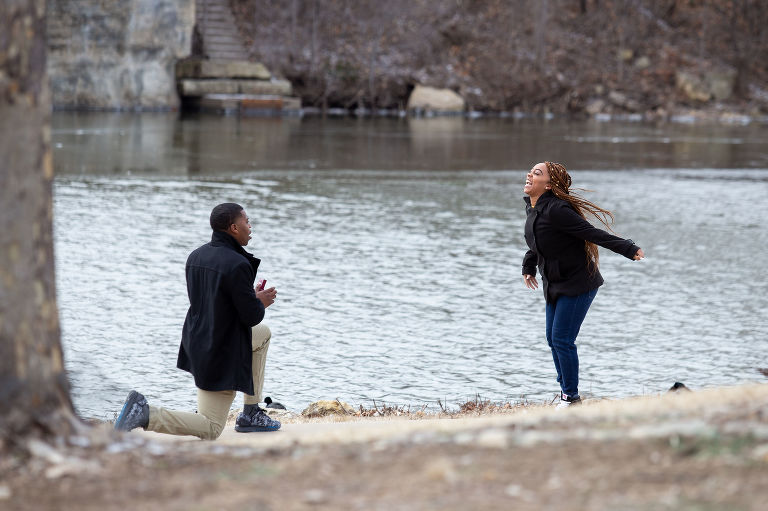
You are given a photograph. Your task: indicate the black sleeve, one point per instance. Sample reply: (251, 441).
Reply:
(529, 263)
(249, 308)
(568, 221)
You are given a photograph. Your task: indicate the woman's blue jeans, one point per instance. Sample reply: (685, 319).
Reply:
(564, 318)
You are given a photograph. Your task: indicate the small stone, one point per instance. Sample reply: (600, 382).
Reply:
(691, 84)
(617, 98)
(493, 439)
(5, 492)
(79, 441)
(643, 62)
(761, 453)
(720, 83)
(157, 449)
(42, 450)
(441, 469)
(595, 106)
(626, 54)
(72, 466)
(464, 438)
(554, 482)
(315, 496)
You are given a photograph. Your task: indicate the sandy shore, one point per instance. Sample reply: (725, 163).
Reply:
(705, 450)
(635, 417)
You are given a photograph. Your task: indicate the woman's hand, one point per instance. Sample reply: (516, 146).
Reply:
(530, 282)
(639, 255)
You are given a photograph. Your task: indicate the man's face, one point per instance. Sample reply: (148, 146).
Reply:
(241, 229)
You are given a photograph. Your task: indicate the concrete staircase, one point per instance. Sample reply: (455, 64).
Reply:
(222, 79)
(216, 24)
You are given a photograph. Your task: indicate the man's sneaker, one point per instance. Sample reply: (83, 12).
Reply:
(566, 401)
(256, 420)
(135, 413)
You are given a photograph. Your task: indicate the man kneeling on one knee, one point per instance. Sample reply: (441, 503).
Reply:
(223, 344)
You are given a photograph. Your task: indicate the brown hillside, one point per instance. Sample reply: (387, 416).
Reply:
(561, 56)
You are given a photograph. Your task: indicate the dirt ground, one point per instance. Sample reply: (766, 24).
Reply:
(699, 451)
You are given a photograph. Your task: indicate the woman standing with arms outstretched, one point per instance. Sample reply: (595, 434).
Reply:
(563, 244)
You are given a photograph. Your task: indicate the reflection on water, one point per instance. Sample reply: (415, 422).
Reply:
(402, 285)
(164, 144)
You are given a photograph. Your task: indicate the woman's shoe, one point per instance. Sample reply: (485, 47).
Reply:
(566, 401)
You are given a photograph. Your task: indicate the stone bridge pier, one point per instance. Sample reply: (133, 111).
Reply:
(121, 55)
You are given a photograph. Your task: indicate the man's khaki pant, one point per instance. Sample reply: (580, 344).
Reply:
(213, 407)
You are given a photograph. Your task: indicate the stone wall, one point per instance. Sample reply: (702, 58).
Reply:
(106, 54)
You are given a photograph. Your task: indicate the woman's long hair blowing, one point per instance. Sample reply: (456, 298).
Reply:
(560, 183)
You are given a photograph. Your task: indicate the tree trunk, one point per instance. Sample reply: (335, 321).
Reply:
(540, 30)
(314, 56)
(34, 391)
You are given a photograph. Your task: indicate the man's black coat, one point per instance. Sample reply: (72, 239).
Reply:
(555, 235)
(216, 340)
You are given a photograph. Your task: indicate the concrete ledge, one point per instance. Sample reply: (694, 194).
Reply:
(227, 86)
(248, 104)
(200, 68)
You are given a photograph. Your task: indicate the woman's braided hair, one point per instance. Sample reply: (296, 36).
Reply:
(560, 183)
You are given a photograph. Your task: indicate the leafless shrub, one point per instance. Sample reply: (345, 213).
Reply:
(528, 54)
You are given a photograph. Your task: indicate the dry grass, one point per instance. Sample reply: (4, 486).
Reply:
(472, 407)
(480, 406)
(380, 410)
(384, 410)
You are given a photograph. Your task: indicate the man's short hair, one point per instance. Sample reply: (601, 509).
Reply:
(225, 215)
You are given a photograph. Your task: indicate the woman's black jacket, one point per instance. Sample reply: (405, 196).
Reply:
(216, 339)
(555, 235)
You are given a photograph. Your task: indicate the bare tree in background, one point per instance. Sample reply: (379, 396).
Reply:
(529, 55)
(540, 29)
(34, 391)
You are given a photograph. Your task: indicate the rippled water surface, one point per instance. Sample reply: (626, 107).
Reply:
(396, 252)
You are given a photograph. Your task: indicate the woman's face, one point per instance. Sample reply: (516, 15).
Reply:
(536, 181)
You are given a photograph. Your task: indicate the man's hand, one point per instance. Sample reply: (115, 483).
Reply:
(267, 296)
(530, 282)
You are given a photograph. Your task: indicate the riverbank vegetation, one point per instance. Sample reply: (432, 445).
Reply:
(621, 57)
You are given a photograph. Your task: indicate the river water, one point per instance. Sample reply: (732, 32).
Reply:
(396, 245)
